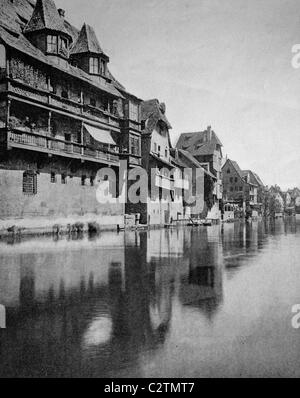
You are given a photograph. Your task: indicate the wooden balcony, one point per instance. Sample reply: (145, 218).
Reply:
(53, 146)
(22, 90)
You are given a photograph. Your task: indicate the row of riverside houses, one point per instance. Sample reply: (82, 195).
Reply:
(243, 192)
(63, 116)
(236, 193)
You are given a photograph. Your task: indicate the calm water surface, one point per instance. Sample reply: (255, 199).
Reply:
(168, 303)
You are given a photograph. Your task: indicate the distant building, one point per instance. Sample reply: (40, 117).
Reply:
(242, 187)
(206, 148)
(203, 178)
(165, 198)
(62, 116)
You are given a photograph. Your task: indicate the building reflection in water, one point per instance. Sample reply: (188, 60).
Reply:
(86, 307)
(241, 241)
(201, 285)
(98, 307)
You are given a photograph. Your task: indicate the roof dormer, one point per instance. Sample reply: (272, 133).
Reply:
(46, 30)
(87, 53)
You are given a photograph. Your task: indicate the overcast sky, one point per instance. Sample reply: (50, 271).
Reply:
(224, 63)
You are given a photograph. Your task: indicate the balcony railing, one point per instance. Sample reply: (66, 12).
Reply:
(22, 89)
(56, 146)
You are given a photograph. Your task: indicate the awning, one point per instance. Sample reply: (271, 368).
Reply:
(99, 135)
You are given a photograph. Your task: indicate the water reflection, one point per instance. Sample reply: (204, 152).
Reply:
(111, 305)
(201, 283)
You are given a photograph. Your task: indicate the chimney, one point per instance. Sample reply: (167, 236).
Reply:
(208, 133)
(61, 12)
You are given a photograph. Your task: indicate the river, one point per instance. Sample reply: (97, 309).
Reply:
(189, 302)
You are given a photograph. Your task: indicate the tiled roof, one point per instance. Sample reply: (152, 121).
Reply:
(22, 44)
(254, 179)
(199, 143)
(45, 16)
(87, 42)
(154, 110)
(15, 16)
(258, 180)
(194, 161)
(237, 168)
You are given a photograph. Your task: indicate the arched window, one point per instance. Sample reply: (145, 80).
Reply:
(2, 57)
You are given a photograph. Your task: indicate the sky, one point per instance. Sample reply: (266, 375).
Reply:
(220, 63)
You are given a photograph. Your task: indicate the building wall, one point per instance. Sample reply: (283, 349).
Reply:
(160, 139)
(53, 200)
(234, 188)
(163, 212)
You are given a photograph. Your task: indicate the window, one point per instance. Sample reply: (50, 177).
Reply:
(29, 183)
(205, 166)
(228, 171)
(92, 101)
(143, 125)
(92, 181)
(235, 180)
(241, 188)
(133, 112)
(64, 92)
(158, 149)
(52, 44)
(166, 153)
(83, 180)
(134, 146)
(53, 178)
(102, 67)
(63, 46)
(53, 87)
(231, 189)
(2, 57)
(172, 194)
(63, 179)
(94, 66)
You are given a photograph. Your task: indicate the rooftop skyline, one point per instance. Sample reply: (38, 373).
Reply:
(224, 64)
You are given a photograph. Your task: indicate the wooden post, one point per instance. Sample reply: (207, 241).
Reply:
(49, 122)
(81, 138)
(49, 88)
(8, 113)
(7, 63)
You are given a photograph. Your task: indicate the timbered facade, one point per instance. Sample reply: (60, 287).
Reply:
(62, 115)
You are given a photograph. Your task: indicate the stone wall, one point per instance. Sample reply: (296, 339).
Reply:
(53, 200)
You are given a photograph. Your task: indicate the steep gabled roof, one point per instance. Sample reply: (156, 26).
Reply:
(154, 111)
(195, 163)
(258, 180)
(253, 178)
(199, 143)
(17, 14)
(45, 16)
(235, 166)
(20, 43)
(87, 42)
